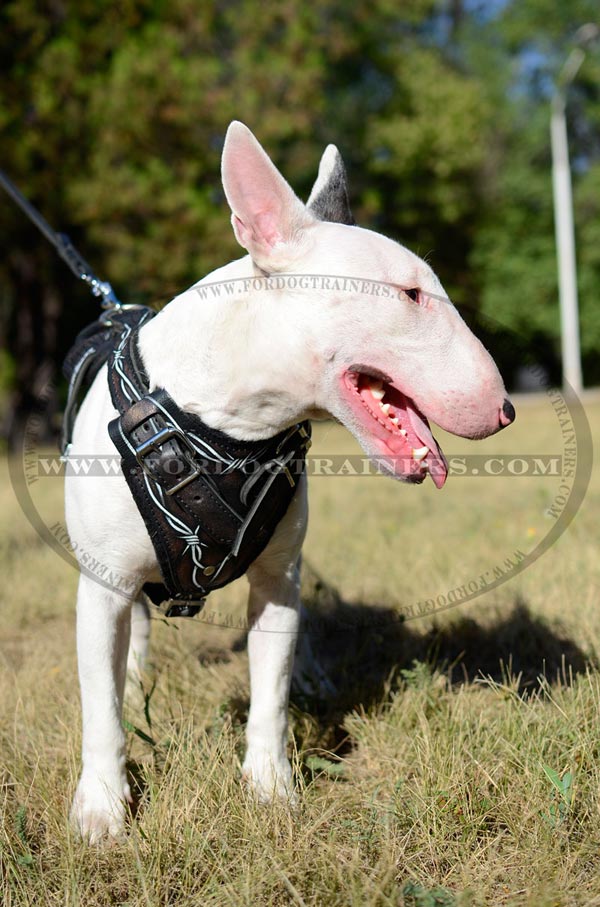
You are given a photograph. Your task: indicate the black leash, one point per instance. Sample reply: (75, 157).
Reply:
(64, 247)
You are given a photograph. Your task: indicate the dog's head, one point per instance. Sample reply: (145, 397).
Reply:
(389, 350)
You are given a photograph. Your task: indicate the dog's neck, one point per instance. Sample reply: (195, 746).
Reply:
(238, 358)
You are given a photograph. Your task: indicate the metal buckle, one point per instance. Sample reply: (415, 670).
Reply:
(155, 443)
(306, 439)
(172, 608)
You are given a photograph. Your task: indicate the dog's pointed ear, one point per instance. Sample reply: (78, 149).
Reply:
(329, 197)
(268, 218)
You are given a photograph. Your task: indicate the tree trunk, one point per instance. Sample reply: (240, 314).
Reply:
(33, 405)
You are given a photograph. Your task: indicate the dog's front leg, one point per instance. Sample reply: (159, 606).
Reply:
(273, 617)
(103, 629)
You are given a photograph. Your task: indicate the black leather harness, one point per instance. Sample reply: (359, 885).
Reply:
(210, 503)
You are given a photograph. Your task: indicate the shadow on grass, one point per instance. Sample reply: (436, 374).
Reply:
(361, 646)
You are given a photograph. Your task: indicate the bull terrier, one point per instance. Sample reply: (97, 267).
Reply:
(364, 334)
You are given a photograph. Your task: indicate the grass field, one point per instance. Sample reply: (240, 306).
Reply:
(460, 763)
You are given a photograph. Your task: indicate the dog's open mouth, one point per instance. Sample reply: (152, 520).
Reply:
(396, 425)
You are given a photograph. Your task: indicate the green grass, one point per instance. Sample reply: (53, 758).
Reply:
(459, 765)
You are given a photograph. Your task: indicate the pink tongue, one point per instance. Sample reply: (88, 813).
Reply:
(438, 467)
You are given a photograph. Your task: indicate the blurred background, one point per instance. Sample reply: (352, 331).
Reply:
(112, 119)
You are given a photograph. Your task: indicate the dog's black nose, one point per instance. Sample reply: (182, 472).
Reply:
(507, 413)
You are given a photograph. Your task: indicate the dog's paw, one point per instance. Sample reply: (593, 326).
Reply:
(98, 812)
(269, 778)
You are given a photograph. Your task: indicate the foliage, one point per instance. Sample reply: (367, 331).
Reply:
(563, 795)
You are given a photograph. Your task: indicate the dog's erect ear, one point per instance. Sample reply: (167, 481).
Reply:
(329, 197)
(268, 219)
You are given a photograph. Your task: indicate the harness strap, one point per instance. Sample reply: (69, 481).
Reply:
(210, 503)
(91, 349)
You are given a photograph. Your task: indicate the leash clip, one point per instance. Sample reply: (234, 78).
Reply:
(63, 246)
(80, 267)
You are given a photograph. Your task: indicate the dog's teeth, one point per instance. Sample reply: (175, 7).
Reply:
(385, 407)
(377, 390)
(394, 420)
(419, 453)
(404, 432)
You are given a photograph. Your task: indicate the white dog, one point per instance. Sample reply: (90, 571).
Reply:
(366, 336)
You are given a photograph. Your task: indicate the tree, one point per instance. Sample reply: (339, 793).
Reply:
(50, 56)
(113, 116)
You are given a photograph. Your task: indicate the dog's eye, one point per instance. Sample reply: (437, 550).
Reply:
(413, 294)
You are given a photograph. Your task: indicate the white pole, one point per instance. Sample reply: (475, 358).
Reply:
(584, 37)
(565, 245)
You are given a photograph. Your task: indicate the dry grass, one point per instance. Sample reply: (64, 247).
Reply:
(444, 728)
